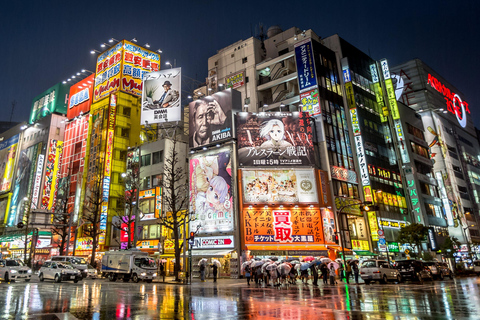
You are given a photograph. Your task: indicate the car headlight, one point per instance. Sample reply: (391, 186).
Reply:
(96, 272)
(13, 271)
(63, 271)
(155, 274)
(29, 271)
(143, 274)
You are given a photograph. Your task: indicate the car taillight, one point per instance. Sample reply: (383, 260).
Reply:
(362, 272)
(376, 272)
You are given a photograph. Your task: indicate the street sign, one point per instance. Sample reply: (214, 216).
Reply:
(407, 251)
(380, 233)
(382, 241)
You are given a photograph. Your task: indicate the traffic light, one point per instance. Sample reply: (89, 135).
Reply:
(192, 236)
(337, 238)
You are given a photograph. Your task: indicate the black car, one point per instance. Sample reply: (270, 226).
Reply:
(439, 270)
(414, 270)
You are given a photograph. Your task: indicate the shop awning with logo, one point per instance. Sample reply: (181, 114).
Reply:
(19, 235)
(290, 250)
(211, 253)
(364, 253)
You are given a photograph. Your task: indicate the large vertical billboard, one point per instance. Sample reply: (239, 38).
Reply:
(80, 97)
(211, 118)
(52, 100)
(211, 197)
(162, 94)
(53, 163)
(274, 139)
(8, 151)
(307, 77)
(122, 67)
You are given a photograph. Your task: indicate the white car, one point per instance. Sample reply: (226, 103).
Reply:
(92, 273)
(59, 271)
(378, 270)
(11, 270)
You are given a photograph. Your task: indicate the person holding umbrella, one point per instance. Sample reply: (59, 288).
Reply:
(248, 273)
(314, 272)
(215, 265)
(332, 274)
(324, 271)
(348, 271)
(355, 271)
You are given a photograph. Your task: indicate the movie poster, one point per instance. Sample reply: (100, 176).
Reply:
(211, 118)
(274, 139)
(162, 96)
(211, 191)
(279, 186)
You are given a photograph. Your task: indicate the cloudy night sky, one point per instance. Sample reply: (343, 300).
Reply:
(46, 42)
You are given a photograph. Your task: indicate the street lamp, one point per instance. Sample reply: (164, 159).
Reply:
(169, 64)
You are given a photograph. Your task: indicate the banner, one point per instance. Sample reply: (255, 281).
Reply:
(235, 81)
(298, 226)
(211, 118)
(161, 96)
(52, 100)
(279, 186)
(310, 102)
(80, 97)
(307, 78)
(274, 139)
(211, 191)
(8, 151)
(54, 157)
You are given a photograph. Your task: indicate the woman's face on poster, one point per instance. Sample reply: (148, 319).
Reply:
(212, 196)
(276, 133)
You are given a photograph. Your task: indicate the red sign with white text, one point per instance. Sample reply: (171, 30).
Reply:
(80, 97)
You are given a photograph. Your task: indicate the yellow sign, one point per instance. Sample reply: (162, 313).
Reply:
(372, 222)
(350, 95)
(360, 245)
(169, 246)
(407, 251)
(147, 244)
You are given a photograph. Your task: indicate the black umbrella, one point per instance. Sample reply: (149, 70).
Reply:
(292, 259)
(273, 258)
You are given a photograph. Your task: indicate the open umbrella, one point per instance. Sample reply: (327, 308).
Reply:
(352, 261)
(326, 260)
(271, 266)
(318, 262)
(334, 264)
(273, 258)
(163, 260)
(246, 263)
(292, 259)
(202, 261)
(297, 267)
(288, 264)
(295, 262)
(284, 269)
(217, 263)
(308, 258)
(304, 266)
(256, 264)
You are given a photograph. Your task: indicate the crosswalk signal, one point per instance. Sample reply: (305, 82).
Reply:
(192, 236)
(337, 239)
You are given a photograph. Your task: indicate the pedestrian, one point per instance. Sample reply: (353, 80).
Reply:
(355, 271)
(332, 274)
(304, 275)
(314, 271)
(324, 270)
(341, 270)
(202, 272)
(162, 270)
(259, 274)
(248, 271)
(348, 270)
(293, 275)
(215, 270)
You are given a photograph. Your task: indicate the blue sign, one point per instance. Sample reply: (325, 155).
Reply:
(382, 241)
(307, 77)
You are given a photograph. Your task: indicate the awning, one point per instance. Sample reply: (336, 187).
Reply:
(302, 247)
(364, 253)
(339, 248)
(211, 253)
(19, 235)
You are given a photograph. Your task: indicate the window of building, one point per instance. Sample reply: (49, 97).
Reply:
(147, 205)
(145, 183)
(78, 147)
(127, 111)
(418, 149)
(157, 157)
(232, 55)
(57, 131)
(157, 180)
(125, 132)
(154, 231)
(123, 155)
(244, 60)
(146, 160)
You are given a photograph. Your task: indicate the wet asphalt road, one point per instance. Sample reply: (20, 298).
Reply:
(233, 299)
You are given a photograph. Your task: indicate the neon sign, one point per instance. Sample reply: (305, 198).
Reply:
(455, 104)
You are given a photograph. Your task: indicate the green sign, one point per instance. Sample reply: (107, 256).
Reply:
(52, 100)
(393, 247)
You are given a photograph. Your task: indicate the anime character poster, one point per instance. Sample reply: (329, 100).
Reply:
(328, 225)
(211, 191)
(279, 186)
(274, 139)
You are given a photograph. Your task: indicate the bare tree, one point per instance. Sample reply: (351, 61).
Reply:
(92, 211)
(126, 202)
(62, 214)
(175, 215)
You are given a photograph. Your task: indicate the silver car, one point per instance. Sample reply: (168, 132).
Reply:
(378, 270)
(59, 271)
(12, 270)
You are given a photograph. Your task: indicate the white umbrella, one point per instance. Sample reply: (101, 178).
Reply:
(295, 262)
(256, 264)
(297, 266)
(284, 268)
(217, 263)
(271, 266)
(202, 261)
(326, 260)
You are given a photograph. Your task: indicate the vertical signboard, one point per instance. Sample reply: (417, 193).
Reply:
(378, 93)
(401, 141)
(52, 169)
(413, 194)
(158, 201)
(8, 151)
(310, 102)
(107, 78)
(38, 180)
(392, 99)
(306, 75)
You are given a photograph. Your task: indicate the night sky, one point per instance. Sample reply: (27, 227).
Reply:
(46, 42)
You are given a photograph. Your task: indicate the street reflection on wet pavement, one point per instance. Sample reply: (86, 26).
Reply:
(233, 299)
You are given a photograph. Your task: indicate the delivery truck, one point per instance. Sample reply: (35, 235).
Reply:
(129, 264)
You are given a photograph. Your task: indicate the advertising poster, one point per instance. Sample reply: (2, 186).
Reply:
(211, 118)
(274, 139)
(283, 226)
(235, 81)
(161, 97)
(3, 208)
(23, 182)
(307, 78)
(54, 155)
(211, 191)
(310, 102)
(279, 186)
(8, 151)
(107, 78)
(328, 220)
(80, 97)
(52, 100)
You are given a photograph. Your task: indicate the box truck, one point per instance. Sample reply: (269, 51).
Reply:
(129, 264)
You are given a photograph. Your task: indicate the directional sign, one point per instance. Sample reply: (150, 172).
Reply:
(382, 241)
(407, 251)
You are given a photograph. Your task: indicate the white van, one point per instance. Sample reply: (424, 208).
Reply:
(129, 264)
(78, 262)
(476, 267)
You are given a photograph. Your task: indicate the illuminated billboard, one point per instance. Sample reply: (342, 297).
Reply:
(162, 94)
(310, 102)
(211, 191)
(279, 186)
(122, 67)
(235, 81)
(8, 151)
(211, 118)
(80, 97)
(304, 59)
(271, 226)
(54, 160)
(52, 100)
(274, 139)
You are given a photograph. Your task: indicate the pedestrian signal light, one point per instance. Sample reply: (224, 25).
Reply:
(192, 236)
(337, 240)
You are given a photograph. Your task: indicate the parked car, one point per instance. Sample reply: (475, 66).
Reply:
(439, 270)
(476, 267)
(92, 273)
(413, 270)
(78, 262)
(59, 271)
(378, 270)
(12, 270)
